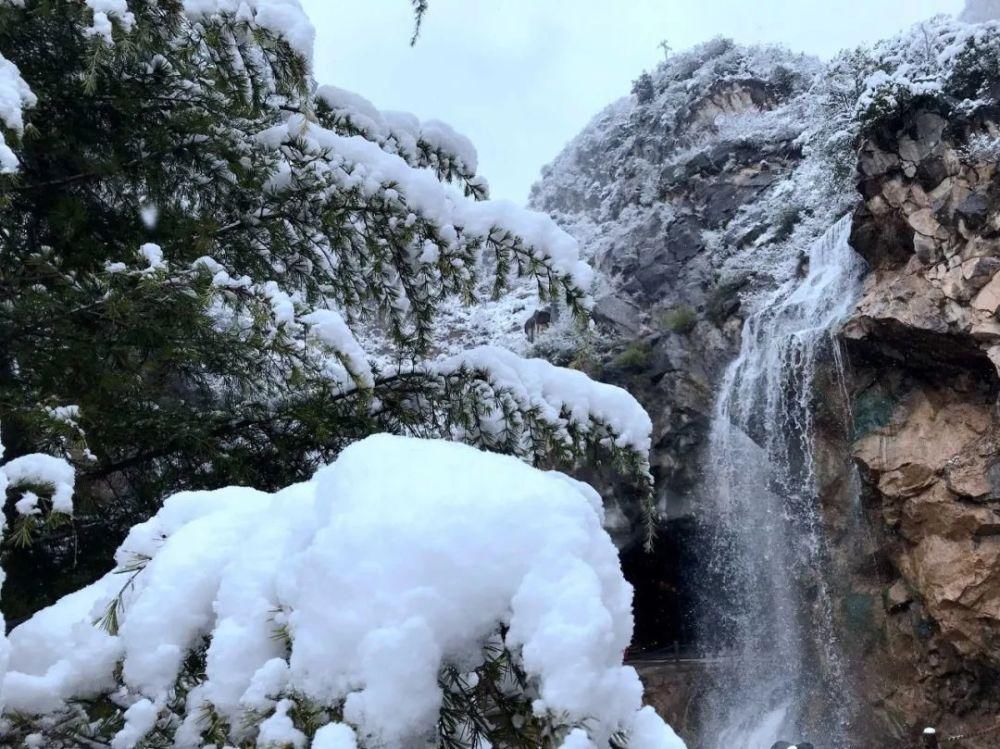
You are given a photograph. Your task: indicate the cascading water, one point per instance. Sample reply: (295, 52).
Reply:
(775, 615)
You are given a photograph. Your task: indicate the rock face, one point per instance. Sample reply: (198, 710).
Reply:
(931, 232)
(677, 194)
(925, 344)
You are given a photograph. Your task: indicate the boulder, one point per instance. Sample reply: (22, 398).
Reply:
(618, 313)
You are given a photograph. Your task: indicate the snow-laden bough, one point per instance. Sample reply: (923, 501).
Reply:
(352, 592)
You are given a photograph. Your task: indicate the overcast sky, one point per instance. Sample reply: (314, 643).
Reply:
(522, 77)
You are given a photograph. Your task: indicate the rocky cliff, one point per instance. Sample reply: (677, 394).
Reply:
(700, 192)
(925, 340)
(687, 195)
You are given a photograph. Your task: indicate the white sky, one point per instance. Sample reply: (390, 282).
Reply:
(522, 77)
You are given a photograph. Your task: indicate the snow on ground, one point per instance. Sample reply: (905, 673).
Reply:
(359, 567)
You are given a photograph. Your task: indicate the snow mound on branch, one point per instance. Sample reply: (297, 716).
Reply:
(329, 327)
(47, 470)
(14, 97)
(561, 394)
(104, 11)
(364, 163)
(402, 555)
(402, 127)
(285, 18)
(441, 135)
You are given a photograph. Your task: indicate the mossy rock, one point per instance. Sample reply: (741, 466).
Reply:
(680, 319)
(585, 361)
(787, 221)
(871, 410)
(635, 357)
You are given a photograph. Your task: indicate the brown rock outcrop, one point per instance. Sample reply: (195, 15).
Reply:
(930, 228)
(925, 346)
(931, 468)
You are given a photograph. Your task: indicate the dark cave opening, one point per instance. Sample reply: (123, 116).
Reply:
(666, 591)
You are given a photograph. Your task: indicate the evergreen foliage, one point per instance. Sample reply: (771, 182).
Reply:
(642, 88)
(212, 273)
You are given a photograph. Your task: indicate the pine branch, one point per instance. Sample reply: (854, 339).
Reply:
(419, 9)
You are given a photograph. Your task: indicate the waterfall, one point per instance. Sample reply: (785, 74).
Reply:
(775, 615)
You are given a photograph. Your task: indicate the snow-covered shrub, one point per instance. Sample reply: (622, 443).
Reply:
(944, 62)
(984, 147)
(642, 88)
(679, 319)
(376, 605)
(973, 62)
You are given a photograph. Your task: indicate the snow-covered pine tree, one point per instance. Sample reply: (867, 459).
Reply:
(193, 244)
(214, 272)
